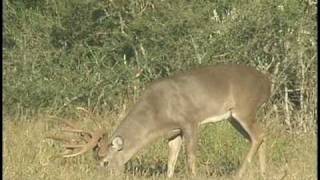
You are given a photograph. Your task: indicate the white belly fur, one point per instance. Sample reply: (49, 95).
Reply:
(217, 118)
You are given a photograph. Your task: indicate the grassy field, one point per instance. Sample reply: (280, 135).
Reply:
(28, 155)
(84, 61)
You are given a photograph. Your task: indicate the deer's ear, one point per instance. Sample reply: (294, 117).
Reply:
(117, 143)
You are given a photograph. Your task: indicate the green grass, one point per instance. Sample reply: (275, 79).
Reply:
(60, 55)
(80, 60)
(28, 155)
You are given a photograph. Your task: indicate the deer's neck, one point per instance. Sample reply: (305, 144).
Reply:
(147, 121)
(138, 130)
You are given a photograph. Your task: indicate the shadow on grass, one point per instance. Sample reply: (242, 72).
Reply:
(159, 168)
(140, 168)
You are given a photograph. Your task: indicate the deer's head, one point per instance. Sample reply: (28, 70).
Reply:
(111, 155)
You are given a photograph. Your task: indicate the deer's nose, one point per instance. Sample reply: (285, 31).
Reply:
(104, 163)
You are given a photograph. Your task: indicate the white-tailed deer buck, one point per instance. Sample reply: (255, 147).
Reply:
(176, 106)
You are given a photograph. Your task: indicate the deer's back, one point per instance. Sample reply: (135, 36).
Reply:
(210, 90)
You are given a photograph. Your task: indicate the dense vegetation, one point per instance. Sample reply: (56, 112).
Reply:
(97, 55)
(90, 60)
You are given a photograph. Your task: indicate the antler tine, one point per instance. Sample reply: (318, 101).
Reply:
(58, 138)
(91, 139)
(93, 142)
(70, 124)
(74, 129)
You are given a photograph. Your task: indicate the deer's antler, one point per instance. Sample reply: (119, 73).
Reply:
(91, 139)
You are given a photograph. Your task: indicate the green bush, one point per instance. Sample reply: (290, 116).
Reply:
(59, 55)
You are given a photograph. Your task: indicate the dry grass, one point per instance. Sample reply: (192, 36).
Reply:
(28, 155)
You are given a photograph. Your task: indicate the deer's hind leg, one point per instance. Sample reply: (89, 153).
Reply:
(247, 126)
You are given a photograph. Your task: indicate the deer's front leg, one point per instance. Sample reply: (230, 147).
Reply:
(190, 137)
(174, 148)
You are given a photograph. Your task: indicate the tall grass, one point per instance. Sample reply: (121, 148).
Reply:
(97, 55)
(70, 59)
(28, 155)
(60, 55)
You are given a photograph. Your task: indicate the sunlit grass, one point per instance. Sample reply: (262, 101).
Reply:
(28, 155)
